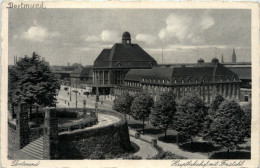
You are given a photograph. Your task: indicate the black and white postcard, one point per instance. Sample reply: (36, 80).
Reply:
(130, 84)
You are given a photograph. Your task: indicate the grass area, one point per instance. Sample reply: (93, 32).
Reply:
(172, 139)
(198, 145)
(231, 155)
(203, 147)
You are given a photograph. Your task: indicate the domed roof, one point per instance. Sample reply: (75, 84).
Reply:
(126, 35)
(201, 60)
(214, 60)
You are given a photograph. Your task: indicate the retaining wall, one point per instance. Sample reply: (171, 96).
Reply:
(96, 143)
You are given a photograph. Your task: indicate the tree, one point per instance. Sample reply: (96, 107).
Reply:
(190, 116)
(247, 109)
(33, 83)
(214, 106)
(123, 103)
(163, 111)
(141, 106)
(227, 126)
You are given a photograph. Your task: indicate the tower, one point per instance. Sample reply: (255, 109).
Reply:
(126, 38)
(234, 57)
(222, 59)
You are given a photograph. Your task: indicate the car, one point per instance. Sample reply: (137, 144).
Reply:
(75, 91)
(66, 88)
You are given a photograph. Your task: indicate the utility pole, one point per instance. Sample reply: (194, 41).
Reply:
(70, 88)
(76, 94)
(97, 95)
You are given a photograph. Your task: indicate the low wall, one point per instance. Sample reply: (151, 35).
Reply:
(11, 132)
(96, 143)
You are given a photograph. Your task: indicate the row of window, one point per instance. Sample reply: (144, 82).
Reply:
(155, 80)
(133, 83)
(161, 80)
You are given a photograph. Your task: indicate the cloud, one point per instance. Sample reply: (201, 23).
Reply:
(189, 47)
(147, 38)
(186, 28)
(93, 38)
(39, 34)
(109, 36)
(104, 36)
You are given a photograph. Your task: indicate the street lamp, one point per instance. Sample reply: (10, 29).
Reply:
(97, 90)
(76, 94)
(70, 88)
(97, 96)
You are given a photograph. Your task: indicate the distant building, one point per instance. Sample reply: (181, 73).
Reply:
(64, 72)
(201, 78)
(243, 70)
(112, 65)
(81, 77)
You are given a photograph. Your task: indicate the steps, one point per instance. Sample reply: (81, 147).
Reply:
(35, 149)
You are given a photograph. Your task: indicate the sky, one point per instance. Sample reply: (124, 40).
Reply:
(65, 36)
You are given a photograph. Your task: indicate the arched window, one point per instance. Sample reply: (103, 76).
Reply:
(119, 64)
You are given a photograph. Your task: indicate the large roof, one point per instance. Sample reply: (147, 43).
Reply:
(242, 72)
(124, 56)
(195, 72)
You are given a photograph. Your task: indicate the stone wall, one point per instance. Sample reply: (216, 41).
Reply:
(96, 143)
(11, 132)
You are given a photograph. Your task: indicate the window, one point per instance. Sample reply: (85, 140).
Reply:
(168, 81)
(182, 81)
(175, 81)
(154, 80)
(163, 81)
(118, 64)
(143, 79)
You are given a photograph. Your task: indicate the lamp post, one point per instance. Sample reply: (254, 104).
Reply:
(76, 94)
(97, 96)
(70, 88)
(97, 90)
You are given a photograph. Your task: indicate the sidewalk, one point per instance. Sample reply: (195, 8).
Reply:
(146, 149)
(173, 148)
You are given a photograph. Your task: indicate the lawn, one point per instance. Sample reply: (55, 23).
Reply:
(198, 145)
